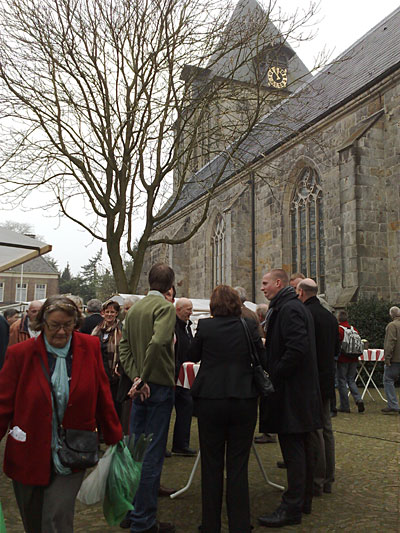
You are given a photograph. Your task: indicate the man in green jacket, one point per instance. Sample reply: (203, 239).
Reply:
(147, 356)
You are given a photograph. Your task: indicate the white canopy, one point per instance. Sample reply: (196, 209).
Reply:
(16, 248)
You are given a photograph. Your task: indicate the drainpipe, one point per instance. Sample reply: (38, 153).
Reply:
(253, 238)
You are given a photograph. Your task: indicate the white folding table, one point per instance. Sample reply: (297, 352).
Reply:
(186, 377)
(376, 356)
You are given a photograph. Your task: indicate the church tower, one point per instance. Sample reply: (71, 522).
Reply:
(251, 70)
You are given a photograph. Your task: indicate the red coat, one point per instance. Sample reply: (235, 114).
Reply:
(25, 401)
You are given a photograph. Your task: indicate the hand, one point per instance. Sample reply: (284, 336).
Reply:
(143, 392)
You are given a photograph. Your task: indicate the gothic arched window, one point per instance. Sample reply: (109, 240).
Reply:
(307, 228)
(218, 251)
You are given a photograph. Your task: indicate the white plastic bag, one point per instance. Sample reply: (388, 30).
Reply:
(94, 486)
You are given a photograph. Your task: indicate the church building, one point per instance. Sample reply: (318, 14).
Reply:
(317, 189)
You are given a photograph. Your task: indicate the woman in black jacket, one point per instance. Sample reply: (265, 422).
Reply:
(225, 402)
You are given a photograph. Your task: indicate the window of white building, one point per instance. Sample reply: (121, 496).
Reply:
(21, 292)
(1, 291)
(40, 291)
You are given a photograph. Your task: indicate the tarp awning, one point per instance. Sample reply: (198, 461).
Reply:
(16, 248)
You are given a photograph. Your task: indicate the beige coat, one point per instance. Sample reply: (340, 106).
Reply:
(392, 342)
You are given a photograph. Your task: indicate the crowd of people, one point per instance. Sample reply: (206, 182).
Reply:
(115, 371)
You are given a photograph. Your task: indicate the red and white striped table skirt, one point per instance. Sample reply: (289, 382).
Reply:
(372, 355)
(187, 373)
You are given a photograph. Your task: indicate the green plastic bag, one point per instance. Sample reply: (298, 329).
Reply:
(2, 523)
(123, 478)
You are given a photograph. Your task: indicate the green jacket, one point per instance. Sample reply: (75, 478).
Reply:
(146, 348)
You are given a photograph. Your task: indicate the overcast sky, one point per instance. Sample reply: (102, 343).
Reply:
(339, 24)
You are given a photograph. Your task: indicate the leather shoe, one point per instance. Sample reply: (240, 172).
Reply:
(327, 488)
(165, 491)
(168, 453)
(387, 410)
(281, 464)
(186, 452)
(279, 518)
(265, 438)
(360, 406)
(343, 410)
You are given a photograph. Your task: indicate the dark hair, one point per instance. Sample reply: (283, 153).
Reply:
(161, 278)
(113, 303)
(225, 301)
(8, 313)
(342, 316)
(56, 303)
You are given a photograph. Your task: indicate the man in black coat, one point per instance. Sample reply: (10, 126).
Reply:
(94, 318)
(328, 346)
(294, 409)
(183, 398)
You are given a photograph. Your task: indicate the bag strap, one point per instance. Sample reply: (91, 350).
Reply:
(250, 343)
(51, 390)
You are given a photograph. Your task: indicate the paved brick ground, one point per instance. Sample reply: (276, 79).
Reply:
(366, 495)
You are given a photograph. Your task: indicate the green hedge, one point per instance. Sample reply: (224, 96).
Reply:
(370, 316)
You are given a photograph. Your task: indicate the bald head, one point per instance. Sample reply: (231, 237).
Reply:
(306, 288)
(184, 308)
(33, 309)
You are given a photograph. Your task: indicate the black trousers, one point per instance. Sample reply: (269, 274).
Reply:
(226, 428)
(299, 456)
(183, 420)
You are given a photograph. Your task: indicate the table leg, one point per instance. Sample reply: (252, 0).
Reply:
(370, 380)
(190, 480)
(263, 471)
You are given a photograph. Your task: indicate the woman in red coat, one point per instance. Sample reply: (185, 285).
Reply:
(45, 489)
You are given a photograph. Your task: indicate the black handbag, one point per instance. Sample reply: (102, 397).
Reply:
(79, 448)
(261, 377)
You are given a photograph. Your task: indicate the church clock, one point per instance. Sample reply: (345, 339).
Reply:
(277, 77)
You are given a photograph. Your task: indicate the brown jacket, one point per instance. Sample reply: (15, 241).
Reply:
(392, 342)
(19, 331)
(251, 315)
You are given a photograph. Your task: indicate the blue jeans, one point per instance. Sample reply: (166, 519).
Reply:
(390, 375)
(151, 416)
(346, 374)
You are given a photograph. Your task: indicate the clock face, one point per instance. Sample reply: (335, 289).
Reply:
(277, 77)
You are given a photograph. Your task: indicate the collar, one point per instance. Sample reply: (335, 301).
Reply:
(312, 300)
(287, 293)
(155, 293)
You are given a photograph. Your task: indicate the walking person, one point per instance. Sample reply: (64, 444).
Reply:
(347, 372)
(45, 490)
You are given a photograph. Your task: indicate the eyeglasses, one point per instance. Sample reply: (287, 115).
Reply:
(56, 327)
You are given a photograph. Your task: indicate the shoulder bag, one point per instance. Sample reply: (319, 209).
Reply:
(261, 378)
(79, 448)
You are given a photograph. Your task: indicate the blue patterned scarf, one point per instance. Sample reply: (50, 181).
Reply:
(59, 381)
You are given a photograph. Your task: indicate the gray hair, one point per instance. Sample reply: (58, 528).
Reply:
(94, 306)
(131, 300)
(77, 300)
(394, 312)
(242, 293)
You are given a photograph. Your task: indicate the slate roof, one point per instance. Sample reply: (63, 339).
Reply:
(373, 57)
(39, 265)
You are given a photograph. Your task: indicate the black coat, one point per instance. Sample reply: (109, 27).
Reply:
(184, 339)
(295, 406)
(225, 370)
(327, 345)
(90, 322)
(4, 337)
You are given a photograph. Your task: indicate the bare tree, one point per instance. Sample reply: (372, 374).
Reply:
(119, 102)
